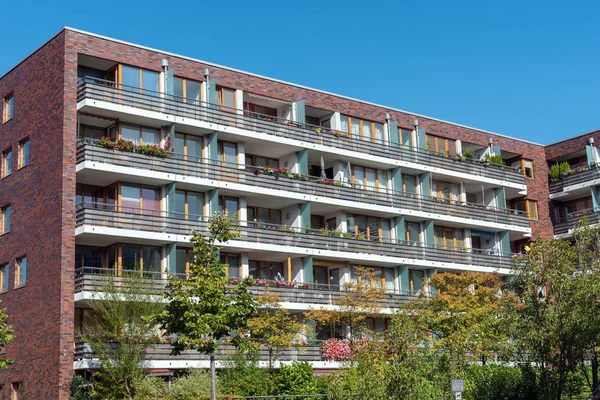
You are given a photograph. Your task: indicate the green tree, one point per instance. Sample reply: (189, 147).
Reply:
(119, 333)
(556, 320)
(204, 309)
(274, 327)
(6, 337)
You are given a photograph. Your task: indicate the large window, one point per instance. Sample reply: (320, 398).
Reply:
(449, 238)
(140, 199)
(233, 264)
(140, 135)
(230, 204)
(91, 259)
(4, 220)
(369, 178)
(363, 129)
(7, 160)
(369, 228)
(412, 233)
(409, 184)
(23, 153)
(9, 108)
(21, 272)
(530, 207)
(439, 144)
(265, 269)
(416, 279)
(139, 80)
(406, 138)
(226, 98)
(143, 258)
(445, 190)
(188, 147)
(183, 258)
(187, 91)
(262, 110)
(189, 205)
(261, 161)
(260, 215)
(228, 153)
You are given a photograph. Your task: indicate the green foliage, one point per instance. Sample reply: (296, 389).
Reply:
(150, 388)
(192, 386)
(341, 384)
(499, 382)
(557, 170)
(120, 332)
(244, 377)
(204, 309)
(496, 159)
(297, 379)
(468, 153)
(6, 336)
(80, 388)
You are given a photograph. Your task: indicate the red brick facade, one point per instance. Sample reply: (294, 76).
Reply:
(42, 195)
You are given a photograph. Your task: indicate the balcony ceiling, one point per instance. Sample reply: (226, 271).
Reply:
(95, 62)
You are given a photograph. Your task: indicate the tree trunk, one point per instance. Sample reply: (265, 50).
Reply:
(595, 371)
(213, 378)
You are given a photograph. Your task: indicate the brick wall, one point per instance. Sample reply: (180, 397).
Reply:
(572, 145)
(41, 311)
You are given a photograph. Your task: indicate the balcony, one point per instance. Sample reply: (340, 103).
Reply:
(89, 279)
(287, 182)
(118, 94)
(339, 244)
(583, 176)
(161, 350)
(565, 224)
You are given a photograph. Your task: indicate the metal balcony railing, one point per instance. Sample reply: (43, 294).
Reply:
(280, 179)
(91, 279)
(570, 221)
(105, 215)
(106, 91)
(161, 350)
(576, 176)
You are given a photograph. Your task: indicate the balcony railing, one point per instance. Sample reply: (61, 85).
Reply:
(280, 179)
(576, 176)
(90, 279)
(570, 221)
(106, 91)
(161, 350)
(104, 215)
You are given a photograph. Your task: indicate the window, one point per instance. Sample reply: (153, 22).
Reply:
(530, 207)
(4, 220)
(230, 204)
(142, 258)
(188, 147)
(369, 228)
(228, 153)
(406, 137)
(91, 132)
(183, 257)
(91, 258)
(189, 205)
(445, 190)
(4, 277)
(449, 238)
(9, 108)
(23, 153)
(226, 98)
(260, 161)
(362, 129)
(416, 281)
(263, 216)
(7, 159)
(265, 269)
(17, 391)
(140, 135)
(233, 265)
(412, 233)
(21, 272)
(438, 144)
(369, 179)
(527, 166)
(139, 80)
(262, 110)
(186, 91)
(140, 199)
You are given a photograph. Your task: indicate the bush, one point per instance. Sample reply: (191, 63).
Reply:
(341, 384)
(80, 389)
(244, 377)
(192, 386)
(497, 159)
(296, 379)
(499, 382)
(557, 170)
(468, 153)
(150, 388)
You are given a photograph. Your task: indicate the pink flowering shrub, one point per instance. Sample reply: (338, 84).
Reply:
(337, 350)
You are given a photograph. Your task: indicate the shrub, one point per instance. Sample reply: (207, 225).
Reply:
(192, 386)
(297, 379)
(243, 377)
(499, 382)
(496, 159)
(557, 170)
(468, 153)
(149, 388)
(80, 389)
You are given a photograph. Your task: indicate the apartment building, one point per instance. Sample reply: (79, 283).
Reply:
(113, 152)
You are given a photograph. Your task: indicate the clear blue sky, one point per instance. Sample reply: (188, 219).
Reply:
(523, 68)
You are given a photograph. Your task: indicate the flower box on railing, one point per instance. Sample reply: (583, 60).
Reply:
(129, 147)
